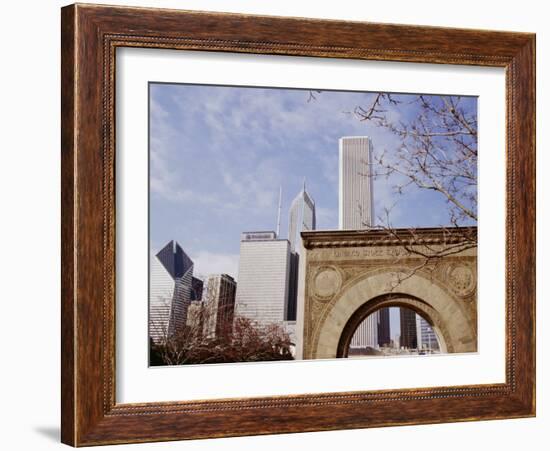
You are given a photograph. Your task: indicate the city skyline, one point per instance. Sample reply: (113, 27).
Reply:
(389, 320)
(219, 155)
(224, 162)
(177, 297)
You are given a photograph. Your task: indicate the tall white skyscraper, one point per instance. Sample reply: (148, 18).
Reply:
(262, 288)
(170, 291)
(356, 210)
(355, 206)
(366, 334)
(301, 217)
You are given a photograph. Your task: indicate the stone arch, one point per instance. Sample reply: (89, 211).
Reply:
(394, 300)
(418, 293)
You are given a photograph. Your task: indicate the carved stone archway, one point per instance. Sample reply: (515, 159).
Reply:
(346, 275)
(395, 300)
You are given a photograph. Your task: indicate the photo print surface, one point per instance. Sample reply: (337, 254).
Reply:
(290, 224)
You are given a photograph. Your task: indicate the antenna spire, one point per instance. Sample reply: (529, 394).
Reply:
(279, 211)
(304, 184)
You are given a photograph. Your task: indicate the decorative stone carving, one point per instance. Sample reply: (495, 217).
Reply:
(351, 272)
(316, 309)
(461, 279)
(326, 282)
(344, 275)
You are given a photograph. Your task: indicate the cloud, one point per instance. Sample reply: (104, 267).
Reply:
(219, 155)
(207, 263)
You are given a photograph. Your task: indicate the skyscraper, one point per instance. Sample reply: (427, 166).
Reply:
(197, 287)
(301, 217)
(356, 210)
(219, 304)
(408, 337)
(262, 289)
(384, 338)
(427, 339)
(366, 334)
(170, 288)
(293, 278)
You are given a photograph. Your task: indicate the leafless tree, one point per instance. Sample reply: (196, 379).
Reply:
(238, 340)
(436, 151)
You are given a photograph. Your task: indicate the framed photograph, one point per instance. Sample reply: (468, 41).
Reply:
(278, 225)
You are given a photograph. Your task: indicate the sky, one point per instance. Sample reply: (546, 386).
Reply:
(218, 156)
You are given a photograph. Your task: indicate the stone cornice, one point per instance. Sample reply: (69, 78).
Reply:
(377, 237)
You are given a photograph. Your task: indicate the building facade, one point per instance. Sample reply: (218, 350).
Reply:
(355, 205)
(170, 291)
(301, 218)
(366, 335)
(384, 337)
(293, 278)
(427, 338)
(219, 304)
(263, 280)
(196, 287)
(408, 337)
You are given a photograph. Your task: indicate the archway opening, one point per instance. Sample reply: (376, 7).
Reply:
(388, 327)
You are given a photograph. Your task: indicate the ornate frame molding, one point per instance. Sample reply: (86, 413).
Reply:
(90, 36)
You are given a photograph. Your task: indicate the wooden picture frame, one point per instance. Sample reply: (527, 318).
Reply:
(90, 36)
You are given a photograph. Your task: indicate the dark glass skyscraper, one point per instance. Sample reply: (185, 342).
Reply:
(408, 337)
(384, 327)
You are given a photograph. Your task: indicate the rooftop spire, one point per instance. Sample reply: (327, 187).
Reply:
(279, 211)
